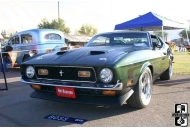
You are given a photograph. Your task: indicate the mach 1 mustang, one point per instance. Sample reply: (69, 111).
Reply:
(113, 68)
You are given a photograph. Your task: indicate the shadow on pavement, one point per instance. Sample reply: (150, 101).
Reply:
(169, 83)
(34, 110)
(170, 92)
(38, 109)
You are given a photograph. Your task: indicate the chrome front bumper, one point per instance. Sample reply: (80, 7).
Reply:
(117, 86)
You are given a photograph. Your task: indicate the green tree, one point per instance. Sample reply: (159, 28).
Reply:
(87, 29)
(58, 24)
(44, 24)
(159, 34)
(184, 35)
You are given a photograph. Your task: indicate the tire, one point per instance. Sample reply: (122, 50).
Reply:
(142, 91)
(167, 74)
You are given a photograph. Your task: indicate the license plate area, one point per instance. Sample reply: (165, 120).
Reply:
(65, 92)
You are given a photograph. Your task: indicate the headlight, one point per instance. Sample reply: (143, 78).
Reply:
(30, 72)
(106, 75)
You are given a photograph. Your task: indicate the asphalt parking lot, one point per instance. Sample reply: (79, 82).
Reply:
(18, 109)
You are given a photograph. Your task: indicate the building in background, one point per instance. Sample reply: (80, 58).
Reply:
(76, 41)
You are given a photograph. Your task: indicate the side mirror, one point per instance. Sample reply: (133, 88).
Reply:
(154, 45)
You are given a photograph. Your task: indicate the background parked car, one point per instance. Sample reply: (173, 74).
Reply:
(35, 41)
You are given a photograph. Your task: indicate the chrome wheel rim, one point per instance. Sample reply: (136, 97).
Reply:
(145, 88)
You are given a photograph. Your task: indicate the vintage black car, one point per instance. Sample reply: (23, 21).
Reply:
(114, 68)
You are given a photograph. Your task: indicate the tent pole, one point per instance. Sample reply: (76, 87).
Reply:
(187, 35)
(163, 33)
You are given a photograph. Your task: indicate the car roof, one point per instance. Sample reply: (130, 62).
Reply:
(124, 31)
(38, 31)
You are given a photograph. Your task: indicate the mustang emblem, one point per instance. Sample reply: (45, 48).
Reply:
(61, 73)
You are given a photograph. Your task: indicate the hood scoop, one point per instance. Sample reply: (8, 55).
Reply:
(97, 52)
(61, 52)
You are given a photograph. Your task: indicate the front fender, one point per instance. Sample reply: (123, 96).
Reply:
(130, 74)
(145, 65)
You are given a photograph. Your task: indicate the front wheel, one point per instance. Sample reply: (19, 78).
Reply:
(142, 91)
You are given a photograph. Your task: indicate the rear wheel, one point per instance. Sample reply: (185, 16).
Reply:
(143, 91)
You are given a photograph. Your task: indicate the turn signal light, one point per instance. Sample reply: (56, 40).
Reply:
(84, 74)
(35, 86)
(43, 72)
(129, 82)
(109, 92)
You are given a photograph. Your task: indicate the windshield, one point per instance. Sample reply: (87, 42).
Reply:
(115, 39)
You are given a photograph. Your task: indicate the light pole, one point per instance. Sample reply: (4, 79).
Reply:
(189, 24)
(188, 32)
(58, 10)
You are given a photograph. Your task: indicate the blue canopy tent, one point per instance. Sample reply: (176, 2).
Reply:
(150, 22)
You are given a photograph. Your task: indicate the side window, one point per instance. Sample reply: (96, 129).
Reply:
(14, 40)
(101, 41)
(26, 38)
(52, 36)
(155, 41)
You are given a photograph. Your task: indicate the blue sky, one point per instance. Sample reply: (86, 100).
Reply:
(103, 14)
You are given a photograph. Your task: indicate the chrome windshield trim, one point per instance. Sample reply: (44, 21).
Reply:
(70, 67)
(118, 86)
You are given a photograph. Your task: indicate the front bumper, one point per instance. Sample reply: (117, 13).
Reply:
(88, 92)
(118, 86)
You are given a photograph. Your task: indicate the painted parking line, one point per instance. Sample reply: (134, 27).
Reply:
(10, 80)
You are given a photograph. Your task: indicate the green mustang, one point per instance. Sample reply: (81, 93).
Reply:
(113, 68)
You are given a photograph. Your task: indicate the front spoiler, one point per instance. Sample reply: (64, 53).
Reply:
(97, 100)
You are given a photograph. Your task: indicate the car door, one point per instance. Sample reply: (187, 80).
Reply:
(161, 52)
(165, 59)
(14, 43)
(157, 62)
(27, 43)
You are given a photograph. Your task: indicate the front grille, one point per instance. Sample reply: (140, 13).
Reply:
(66, 73)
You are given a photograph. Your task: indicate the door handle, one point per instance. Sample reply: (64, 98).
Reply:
(164, 53)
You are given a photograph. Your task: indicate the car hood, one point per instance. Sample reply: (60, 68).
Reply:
(86, 56)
